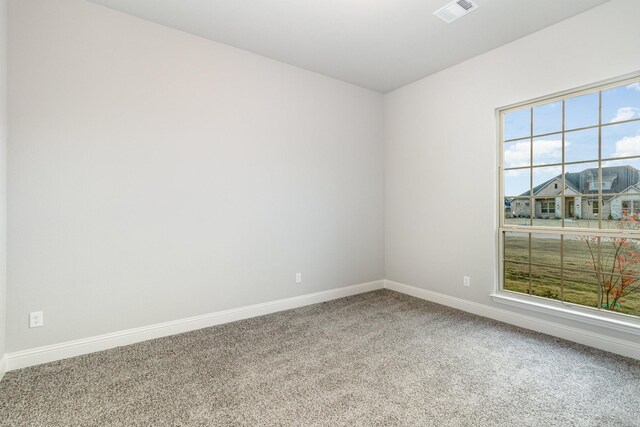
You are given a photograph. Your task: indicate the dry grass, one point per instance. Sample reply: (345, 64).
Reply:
(579, 284)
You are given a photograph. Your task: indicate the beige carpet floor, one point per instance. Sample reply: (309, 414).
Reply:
(380, 358)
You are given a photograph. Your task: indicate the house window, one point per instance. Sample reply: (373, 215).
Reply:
(606, 185)
(631, 207)
(579, 143)
(548, 207)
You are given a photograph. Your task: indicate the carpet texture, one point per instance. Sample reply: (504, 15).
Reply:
(380, 358)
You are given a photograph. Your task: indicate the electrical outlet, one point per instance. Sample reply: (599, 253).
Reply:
(466, 281)
(298, 278)
(36, 319)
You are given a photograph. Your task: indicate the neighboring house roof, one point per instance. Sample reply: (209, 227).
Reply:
(615, 179)
(635, 189)
(571, 187)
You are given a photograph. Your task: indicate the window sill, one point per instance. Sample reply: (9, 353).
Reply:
(568, 311)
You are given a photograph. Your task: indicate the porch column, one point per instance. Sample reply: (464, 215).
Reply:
(616, 208)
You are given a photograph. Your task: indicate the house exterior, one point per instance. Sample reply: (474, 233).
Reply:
(620, 195)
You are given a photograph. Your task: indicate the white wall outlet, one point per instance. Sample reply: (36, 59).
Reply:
(298, 277)
(36, 319)
(466, 281)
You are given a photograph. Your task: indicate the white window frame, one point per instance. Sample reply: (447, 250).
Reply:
(587, 315)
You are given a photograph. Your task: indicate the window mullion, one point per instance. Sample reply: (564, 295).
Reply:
(599, 268)
(563, 205)
(532, 201)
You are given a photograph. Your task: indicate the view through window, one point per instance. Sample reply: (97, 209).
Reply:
(570, 182)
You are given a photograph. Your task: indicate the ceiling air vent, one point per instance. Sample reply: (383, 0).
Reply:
(455, 10)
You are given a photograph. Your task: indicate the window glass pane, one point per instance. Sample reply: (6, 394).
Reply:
(624, 211)
(621, 176)
(579, 211)
(630, 204)
(547, 211)
(545, 249)
(575, 211)
(517, 211)
(621, 103)
(620, 293)
(581, 178)
(547, 150)
(581, 111)
(516, 277)
(517, 182)
(517, 153)
(581, 189)
(545, 282)
(581, 145)
(516, 247)
(621, 140)
(620, 255)
(580, 253)
(545, 180)
(590, 210)
(623, 295)
(580, 287)
(547, 118)
(612, 264)
(621, 194)
(517, 124)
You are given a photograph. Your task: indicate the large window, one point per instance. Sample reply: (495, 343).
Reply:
(570, 185)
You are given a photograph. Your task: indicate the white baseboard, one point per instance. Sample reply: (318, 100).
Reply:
(50, 353)
(36, 356)
(3, 366)
(592, 339)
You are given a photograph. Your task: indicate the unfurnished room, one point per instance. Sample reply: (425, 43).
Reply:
(320, 213)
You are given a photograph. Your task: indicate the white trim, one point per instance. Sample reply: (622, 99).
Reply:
(50, 353)
(36, 356)
(3, 365)
(569, 311)
(622, 80)
(623, 347)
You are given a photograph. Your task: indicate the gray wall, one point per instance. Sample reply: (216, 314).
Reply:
(155, 175)
(440, 143)
(3, 175)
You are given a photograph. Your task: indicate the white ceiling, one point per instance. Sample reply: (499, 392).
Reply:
(377, 44)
